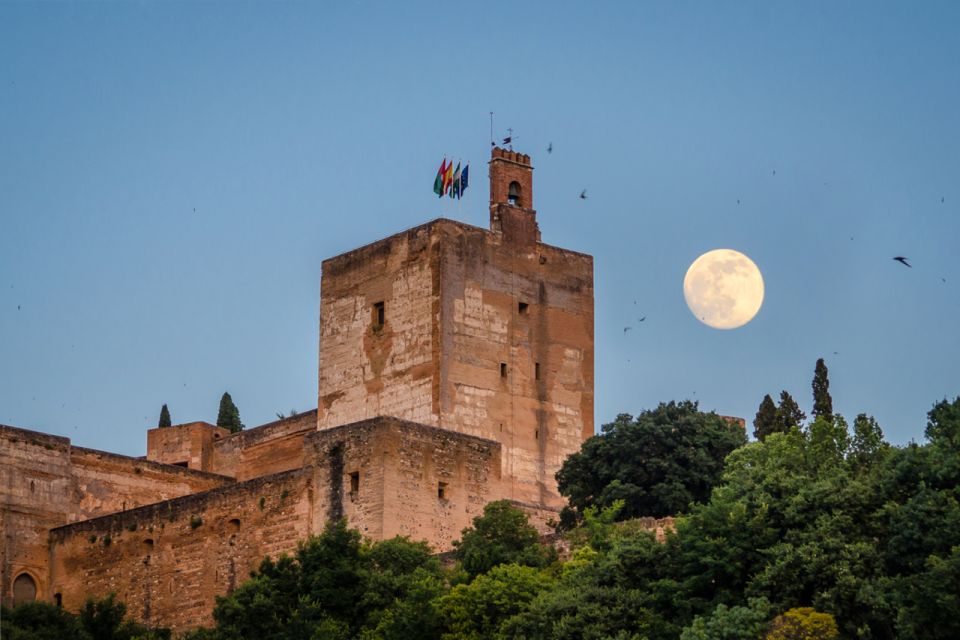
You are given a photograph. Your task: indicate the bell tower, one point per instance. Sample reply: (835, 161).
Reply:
(512, 215)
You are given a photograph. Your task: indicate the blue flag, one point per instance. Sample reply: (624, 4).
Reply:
(464, 179)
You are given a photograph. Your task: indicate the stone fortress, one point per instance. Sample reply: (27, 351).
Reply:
(456, 368)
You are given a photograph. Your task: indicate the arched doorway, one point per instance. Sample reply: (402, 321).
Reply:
(24, 589)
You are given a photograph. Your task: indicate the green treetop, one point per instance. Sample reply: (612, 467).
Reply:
(164, 417)
(822, 402)
(229, 416)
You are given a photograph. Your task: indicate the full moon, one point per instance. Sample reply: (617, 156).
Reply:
(723, 288)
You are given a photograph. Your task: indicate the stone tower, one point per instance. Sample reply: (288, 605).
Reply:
(486, 332)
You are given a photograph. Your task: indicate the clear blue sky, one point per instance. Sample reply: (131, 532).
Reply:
(172, 175)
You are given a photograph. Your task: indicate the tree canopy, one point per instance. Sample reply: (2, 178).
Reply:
(822, 402)
(164, 417)
(658, 464)
(229, 415)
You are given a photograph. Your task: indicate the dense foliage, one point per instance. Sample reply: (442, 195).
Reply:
(98, 620)
(229, 415)
(501, 535)
(658, 464)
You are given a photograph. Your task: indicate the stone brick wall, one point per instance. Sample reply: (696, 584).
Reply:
(189, 444)
(45, 483)
(368, 369)
(168, 561)
(517, 353)
(484, 337)
(269, 448)
(399, 467)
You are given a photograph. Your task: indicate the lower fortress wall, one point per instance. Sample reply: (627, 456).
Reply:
(168, 561)
(45, 483)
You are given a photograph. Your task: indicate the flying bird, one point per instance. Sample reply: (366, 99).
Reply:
(738, 200)
(774, 172)
(903, 261)
(550, 148)
(508, 140)
(641, 319)
(625, 329)
(941, 200)
(583, 194)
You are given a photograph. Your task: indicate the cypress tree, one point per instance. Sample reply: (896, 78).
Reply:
(788, 413)
(164, 417)
(765, 422)
(229, 415)
(822, 402)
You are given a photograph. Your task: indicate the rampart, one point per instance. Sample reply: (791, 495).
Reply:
(47, 483)
(168, 561)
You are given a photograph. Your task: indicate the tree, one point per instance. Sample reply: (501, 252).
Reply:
(502, 535)
(229, 415)
(765, 422)
(789, 414)
(822, 402)
(731, 623)
(476, 610)
(164, 417)
(803, 623)
(658, 464)
(336, 586)
(98, 620)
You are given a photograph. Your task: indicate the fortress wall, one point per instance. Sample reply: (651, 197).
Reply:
(36, 493)
(400, 466)
(45, 483)
(539, 420)
(189, 445)
(107, 482)
(167, 561)
(269, 448)
(366, 369)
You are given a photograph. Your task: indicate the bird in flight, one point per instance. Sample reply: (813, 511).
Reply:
(550, 148)
(941, 200)
(738, 200)
(641, 319)
(774, 172)
(903, 260)
(625, 329)
(583, 194)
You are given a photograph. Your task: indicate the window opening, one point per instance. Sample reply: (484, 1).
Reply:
(503, 369)
(536, 370)
(379, 314)
(58, 599)
(442, 490)
(514, 194)
(354, 483)
(522, 308)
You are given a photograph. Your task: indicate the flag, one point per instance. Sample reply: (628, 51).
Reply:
(464, 182)
(448, 177)
(455, 186)
(438, 181)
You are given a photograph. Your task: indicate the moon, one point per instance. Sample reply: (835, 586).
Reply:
(723, 288)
